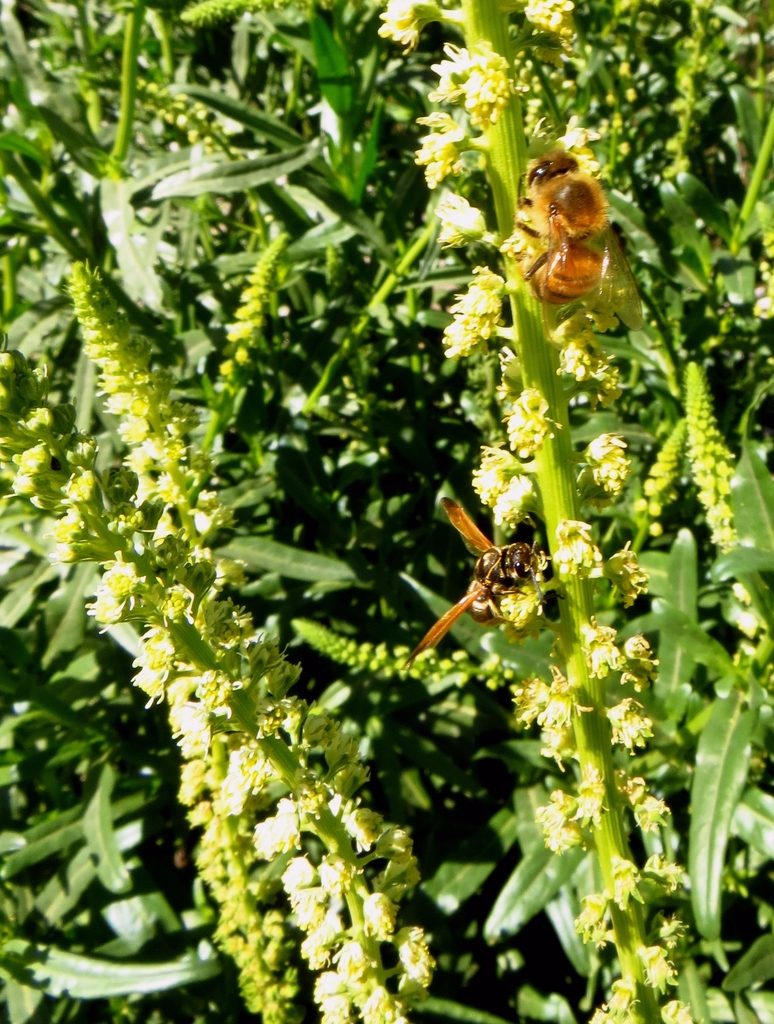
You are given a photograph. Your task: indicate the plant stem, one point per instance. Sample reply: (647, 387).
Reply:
(484, 21)
(360, 325)
(132, 30)
(161, 30)
(756, 183)
(9, 285)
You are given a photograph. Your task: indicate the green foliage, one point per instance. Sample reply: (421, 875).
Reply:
(330, 446)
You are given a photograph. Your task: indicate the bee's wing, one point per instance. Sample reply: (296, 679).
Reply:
(474, 539)
(437, 632)
(617, 288)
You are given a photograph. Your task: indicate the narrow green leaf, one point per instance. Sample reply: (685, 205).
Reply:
(471, 862)
(263, 554)
(22, 1001)
(562, 912)
(741, 560)
(222, 177)
(753, 820)
(83, 977)
(693, 992)
(135, 245)
(59, 832)
(535, 1006)
(450, 1010)
(629, 216)
(756, 965)
(657, 565)
(333, 72)
(747, 119)
(689, 634)
(426, 755)
(69, 631)
(318, 238)
(704, 205)
(368, 157)
(752, 497)
(763, 1005)
(676, 662)
(13, 143)
(349, 212)
(263, 124)
(100, 837)
(85, 151)
(57, 897)
(722, 760)
(537, 879)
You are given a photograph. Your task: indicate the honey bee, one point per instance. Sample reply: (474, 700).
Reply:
(498, 571)
(583, 259)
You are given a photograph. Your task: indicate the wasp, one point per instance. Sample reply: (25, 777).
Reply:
(498, 571)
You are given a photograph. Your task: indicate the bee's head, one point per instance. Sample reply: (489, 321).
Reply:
(551, 165)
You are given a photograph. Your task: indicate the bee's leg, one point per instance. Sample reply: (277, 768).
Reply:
(524, 201)
(539, 262)
(526, 228)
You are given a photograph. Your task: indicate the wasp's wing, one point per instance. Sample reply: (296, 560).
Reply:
(617, 288)
(437, 632)
(474, 539)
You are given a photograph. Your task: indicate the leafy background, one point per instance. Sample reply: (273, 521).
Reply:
(350, 425)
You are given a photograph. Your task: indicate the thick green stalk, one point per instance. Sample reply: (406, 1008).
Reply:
(507, 156)
(132, 31)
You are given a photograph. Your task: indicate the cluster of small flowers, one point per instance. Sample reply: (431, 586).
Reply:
(405, 19)
(440, 152)
(659, 486)
(479, 80)
(461, 223)
(315, 892)
(554, 17)
(198, 650)
(503, 485)
(688, 73)
(576, 554)
(477, 314)
(260, 943)
(553, 707)
(247, 332)
(605, 472)
(620, 1009)
(764, 294)
(581, 359)
(711, 462)
(190, 117)
(527, 422)
(429, 667)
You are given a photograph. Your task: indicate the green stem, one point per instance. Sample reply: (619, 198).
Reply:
(161, 31)
(132, 31)
(357, 331)
(9, 285)
(756, 183)
(484, 21)
(93, 100)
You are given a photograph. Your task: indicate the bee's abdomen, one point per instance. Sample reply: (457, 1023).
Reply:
(572, 273)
